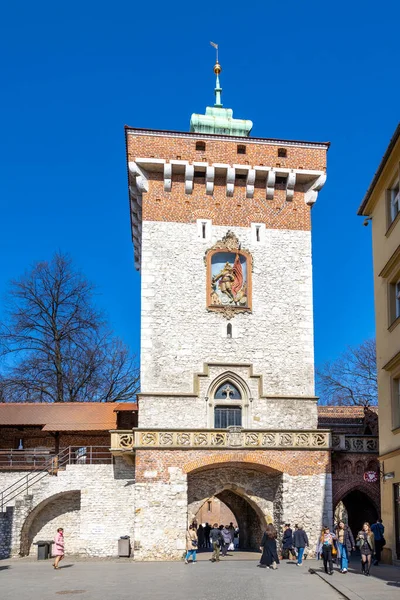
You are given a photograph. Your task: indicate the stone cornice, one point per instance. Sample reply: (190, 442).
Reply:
(225, 138)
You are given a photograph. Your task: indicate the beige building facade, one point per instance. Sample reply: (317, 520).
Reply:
(381, 205)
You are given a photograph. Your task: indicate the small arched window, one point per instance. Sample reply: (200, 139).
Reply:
(201, 146)
(229, 330)
(282, 152)
(241, 149)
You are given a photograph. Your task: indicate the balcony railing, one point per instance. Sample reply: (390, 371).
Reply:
(232, 437)
(37, 458)
(355, 443)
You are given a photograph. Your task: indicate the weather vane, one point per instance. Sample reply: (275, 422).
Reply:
(216, 48)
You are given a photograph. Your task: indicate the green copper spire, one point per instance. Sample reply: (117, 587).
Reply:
(219, 120)
(218, 88)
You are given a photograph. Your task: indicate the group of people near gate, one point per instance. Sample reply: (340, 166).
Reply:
(338, 544)
(335, 544)
(219, 538)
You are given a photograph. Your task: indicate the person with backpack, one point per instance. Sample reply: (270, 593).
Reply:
(300, 542)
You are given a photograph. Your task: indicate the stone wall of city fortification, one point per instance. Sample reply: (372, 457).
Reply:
(94, 503)
(179, 334)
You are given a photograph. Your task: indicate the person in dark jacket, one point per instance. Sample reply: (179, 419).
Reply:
(269, 558)
(300, 541)
(216, 541)
(346, 543)
(378, 529)
(287, 541)
(207, 529)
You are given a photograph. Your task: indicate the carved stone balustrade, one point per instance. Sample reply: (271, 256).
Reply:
(232, 437)
(355, 443)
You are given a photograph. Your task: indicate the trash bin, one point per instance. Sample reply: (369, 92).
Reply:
(42, 550)
(124, 546)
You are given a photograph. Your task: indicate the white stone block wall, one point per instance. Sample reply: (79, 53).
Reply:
(179, 335)
(161, 518)
(307, 501)
(106, 497)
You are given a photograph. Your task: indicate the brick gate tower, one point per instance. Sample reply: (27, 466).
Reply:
(221, 227)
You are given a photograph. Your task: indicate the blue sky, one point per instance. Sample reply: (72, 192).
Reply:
(74, 73)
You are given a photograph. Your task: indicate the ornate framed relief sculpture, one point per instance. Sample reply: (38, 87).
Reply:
(228, 277)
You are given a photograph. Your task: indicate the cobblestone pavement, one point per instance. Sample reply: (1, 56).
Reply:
(112, 580)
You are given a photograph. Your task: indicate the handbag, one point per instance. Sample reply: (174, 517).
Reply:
(194, 543)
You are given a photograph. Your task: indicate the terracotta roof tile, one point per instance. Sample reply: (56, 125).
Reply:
(69, 416)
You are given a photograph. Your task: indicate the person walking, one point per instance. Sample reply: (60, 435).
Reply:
(346, 544)
(191, 544)
(378, 529)
(200, 536)
(216, 541)
(226, 537)
(207, 529)
(58, 547)
(269, 558)
(327, 540)
(300, 541)
(287, 541)
(232, 532)
(366, 542)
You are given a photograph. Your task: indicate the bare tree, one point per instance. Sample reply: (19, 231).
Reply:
(56, 346)
(352, 378)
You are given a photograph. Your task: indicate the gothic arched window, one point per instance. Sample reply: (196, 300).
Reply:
(228, 406)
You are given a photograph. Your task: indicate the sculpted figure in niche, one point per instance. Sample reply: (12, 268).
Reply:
(228, 279)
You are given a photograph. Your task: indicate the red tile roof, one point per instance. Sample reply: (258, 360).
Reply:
(68, 416)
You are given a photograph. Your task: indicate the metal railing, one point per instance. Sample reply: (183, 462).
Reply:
(72, 455)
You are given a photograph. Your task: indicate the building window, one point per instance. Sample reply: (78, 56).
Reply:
(201, 146)
(227, 416)
(209, 508)
(394, 301)
(258, 233)
(203, 230)
(396, 402)
(393, 200)
(241, 149)
(282, 152)
(229, 330)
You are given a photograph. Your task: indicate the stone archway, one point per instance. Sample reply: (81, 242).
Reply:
(59, 510)
(252, 494)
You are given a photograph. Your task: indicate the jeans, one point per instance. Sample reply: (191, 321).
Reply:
(327, 557)
(378, 550)
(344, 559)
(300, 556)
(191, 553)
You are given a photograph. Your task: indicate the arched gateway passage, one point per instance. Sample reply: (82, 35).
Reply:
(360, 509)
(252, 493)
